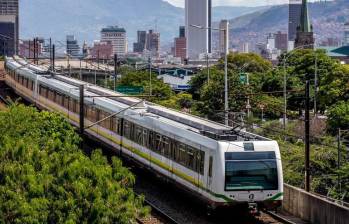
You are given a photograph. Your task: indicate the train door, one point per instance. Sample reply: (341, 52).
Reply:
(210, 172)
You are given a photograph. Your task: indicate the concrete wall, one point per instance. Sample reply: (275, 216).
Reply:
(312, 208)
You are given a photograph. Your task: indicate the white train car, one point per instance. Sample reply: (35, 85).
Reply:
(217, 164)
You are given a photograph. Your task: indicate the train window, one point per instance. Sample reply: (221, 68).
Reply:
(145, 138)
(150, 142)
(182, 157)
(51, 94)
(127, 129)
(166, 149)
(157, 146)
(139, 135)
(190, 158)
(66, 102)
(174, 149)
(202, 162)
(210, 166)
(58, 98)
(114, 124)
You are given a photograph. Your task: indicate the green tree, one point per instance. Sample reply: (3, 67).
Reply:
(210, 94)
(45, 178)
(160, 90)
(338, 116)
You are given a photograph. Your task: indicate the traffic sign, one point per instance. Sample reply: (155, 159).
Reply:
(132, 90)
(243, 78)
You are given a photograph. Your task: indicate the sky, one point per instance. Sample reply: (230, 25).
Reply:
(180, 3)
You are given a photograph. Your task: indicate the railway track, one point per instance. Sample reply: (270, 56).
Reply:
(158, 216)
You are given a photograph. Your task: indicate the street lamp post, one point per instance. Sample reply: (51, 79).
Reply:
(226, 93)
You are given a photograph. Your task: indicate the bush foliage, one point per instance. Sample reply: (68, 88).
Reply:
(45, 178)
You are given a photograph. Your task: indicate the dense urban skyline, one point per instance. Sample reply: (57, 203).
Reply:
(250, 3)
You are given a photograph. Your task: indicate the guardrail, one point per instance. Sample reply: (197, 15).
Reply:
(312, 208)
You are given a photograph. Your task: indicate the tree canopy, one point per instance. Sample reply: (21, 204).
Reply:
(45, 178)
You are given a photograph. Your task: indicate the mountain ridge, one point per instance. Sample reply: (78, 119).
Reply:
(85, 18)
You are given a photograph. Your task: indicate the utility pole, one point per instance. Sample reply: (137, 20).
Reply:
(82, 111)
(115, 70)
(208, 69)
(285, 96)
(307, 135)
(150, 74)
(248, 106)
(80, 70)
(53, 57)
(226, 94)
(50, 51)
(339, 160)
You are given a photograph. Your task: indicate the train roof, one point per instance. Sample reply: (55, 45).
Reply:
(199, 125)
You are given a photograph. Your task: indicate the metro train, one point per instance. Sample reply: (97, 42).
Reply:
(220, 165)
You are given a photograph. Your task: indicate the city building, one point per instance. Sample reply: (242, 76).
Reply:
(73, 48)
(281, 41)
(139, 46)
(182, 31)
(330, 42)
(294, 15)
(85, 50)
(102, 50)
(224, 37)
(180, 44)
(153, 43)
(198, 13)
(117, 36)
(338, 53)
(245, 48)
(305, 35)
(271, 41)
(346, 34)
(9, 27)
(26, 48)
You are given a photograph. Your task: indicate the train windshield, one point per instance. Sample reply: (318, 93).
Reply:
(251, 171)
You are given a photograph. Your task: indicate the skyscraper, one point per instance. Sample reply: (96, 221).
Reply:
(198, 13)
(346, 34)
(117, 37)
(180, 45)
(182, 31)
(139, 46)
(305, 35)
(294, 15)
(9, 27)
(153, 43)
(224, 37)
(281, 41)
(73, 48)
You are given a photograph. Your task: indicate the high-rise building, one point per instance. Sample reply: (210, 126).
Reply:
(117, 37)
(294, 15)
(102, 50)
(182, 31)
(271, 41)
(9, 27)
(180, 46)
(281, 41)
(73, 48)
(198, 13)
(346, 34)
(139, 46)
(224, 37)
(305, 35)
(153, 43)
(245, 48)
